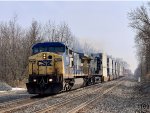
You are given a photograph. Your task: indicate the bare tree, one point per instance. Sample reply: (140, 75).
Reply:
(140, 21)
(88, 49)
(10, 48)
(15, 48)
(58, 33)
(50, 31)
(32, 36)
(65, 35)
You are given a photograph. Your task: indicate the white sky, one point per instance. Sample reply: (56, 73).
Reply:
(103, 24)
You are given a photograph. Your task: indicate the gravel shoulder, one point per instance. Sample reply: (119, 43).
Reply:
(129, 97)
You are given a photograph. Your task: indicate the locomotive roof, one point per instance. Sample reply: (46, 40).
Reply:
(47, 44)
(84, 56)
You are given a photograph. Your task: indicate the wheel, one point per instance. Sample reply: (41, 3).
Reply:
(67, 87)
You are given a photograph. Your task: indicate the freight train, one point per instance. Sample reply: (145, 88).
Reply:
(54, 67)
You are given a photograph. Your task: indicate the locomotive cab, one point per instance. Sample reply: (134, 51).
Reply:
(45, 69)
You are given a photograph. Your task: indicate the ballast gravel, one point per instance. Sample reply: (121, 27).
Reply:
(63, 97)
(126, 98)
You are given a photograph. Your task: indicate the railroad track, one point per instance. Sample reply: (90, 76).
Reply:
(83, 105)
(19, 104)
(11, 104)
(52, 108)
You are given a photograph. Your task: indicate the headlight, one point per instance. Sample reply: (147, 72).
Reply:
(50, 80)
(44, 55)
(34, 80)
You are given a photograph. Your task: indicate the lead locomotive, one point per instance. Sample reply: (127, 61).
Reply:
(54, 67)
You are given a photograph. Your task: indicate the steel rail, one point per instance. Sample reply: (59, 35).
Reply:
(83, 105)
(43, 99)
(54, 106)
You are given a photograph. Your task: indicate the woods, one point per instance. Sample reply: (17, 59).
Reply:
(140, 22)
(16, 43)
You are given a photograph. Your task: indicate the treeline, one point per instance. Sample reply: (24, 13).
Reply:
(140, 22)
(16, 43)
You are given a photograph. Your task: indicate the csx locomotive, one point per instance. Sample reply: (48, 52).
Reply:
(54, 67)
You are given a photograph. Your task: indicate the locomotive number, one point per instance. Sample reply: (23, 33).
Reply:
(44, 63)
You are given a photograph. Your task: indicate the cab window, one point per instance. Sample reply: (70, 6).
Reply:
(42, 49)
(59, 49)
(51, 49)
(35, 50)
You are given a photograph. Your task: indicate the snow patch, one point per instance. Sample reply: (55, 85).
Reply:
(4, 86)
(18, 89)
(3, 91)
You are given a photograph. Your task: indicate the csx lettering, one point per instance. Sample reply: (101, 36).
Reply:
(44, 63)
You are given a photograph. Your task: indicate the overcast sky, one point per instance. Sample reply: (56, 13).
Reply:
(103, 24)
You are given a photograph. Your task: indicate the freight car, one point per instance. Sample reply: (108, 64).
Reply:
(54, 67)
(108, 67)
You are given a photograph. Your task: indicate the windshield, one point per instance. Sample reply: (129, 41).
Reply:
(59, 49)
(48, 49)
(42, 49)
(35, 50)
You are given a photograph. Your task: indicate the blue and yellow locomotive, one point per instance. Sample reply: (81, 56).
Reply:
(54, 67)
